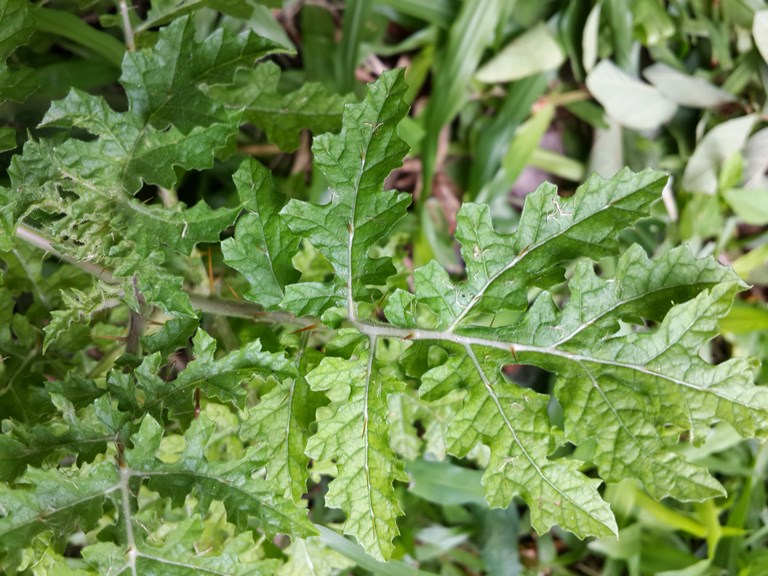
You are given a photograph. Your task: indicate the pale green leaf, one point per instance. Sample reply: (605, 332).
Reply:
(280, 424)
(179, 554)
(515, 424)
(631, 392)
(310, 557)
(353, 433)
(590, 41)
(749, 204)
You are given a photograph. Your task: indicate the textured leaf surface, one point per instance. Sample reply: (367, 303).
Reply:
(283, 116)
(230, 482)
(263, 245)
(165, 99)
(280, 423)
(355, 163)
(515, 424)
(220, 378)
(177, 555)
(552, 230)
(65, 433)
(352, 432)
(53, 500)
(631, 392)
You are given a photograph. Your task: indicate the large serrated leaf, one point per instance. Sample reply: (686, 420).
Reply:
(53, 500)
(176, 99)
(231, 482)
(355, 163)
(352, 432)
(263, 245)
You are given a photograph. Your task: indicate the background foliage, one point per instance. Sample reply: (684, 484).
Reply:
(167, 164)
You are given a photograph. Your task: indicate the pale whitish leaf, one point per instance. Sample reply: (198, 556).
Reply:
(352, 431)
(686, 90)
(310, 557)
(263, 245)
(760, 32)
(590, 41)
(717, 146)
(282, 115)
(231, 482)
(749, 204)
(607, 154)
(355, 163)
(756, 160)
(534, 51)
(628, 101)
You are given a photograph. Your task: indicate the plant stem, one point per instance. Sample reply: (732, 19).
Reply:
(207, 304)
(127, 28)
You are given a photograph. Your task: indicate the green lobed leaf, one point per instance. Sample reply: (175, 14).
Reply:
(501, 267)
(178, 555)
(280, 423)
(163, 84)
(68, 432)
(230, 482)
(282, 115)
(631, 392)
(515, 424)
(219, 379)
(58, 500)
(353, 433)
(355, 163)
(263, 246)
